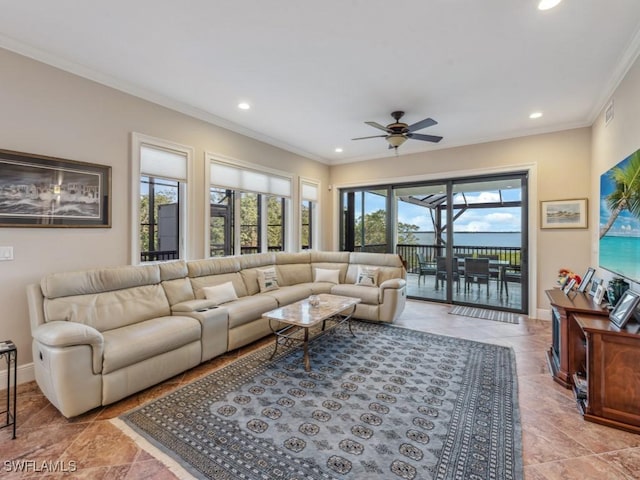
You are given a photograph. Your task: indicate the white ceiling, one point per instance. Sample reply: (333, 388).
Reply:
(315, 71)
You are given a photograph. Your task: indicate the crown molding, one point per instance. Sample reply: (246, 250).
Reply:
(137, 91)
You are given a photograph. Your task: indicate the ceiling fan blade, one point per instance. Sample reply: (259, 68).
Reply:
(364, 138)
(377, 125)
(425, 138)
(427, 122)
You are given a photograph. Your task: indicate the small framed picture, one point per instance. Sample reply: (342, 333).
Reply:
(594, 285)
(599, 294)
(569, 286)
(563, 213)
(624, 309)
(586, 279)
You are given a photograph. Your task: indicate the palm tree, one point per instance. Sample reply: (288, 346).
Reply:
(626, 193)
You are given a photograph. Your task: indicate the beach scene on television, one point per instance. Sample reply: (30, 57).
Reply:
(620, 218)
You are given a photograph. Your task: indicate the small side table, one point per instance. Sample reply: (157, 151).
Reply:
(9, 353)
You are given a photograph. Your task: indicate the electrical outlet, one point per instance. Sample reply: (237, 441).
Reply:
(6, 253)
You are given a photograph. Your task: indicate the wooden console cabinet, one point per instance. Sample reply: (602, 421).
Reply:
(608, 359)
(563, 347)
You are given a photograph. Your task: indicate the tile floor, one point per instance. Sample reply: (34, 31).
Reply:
(557, 442)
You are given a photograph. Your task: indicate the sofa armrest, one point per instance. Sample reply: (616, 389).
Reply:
(193, 306)
(393, 283)
(215, 327)
(60, 334)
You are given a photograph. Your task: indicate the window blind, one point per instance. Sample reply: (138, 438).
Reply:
(247, 180)
(157, 162)
(309, 192)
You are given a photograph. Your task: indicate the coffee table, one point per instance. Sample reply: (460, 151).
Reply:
(303, 315)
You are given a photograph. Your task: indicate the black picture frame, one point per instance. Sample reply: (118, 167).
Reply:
(42, 191)
(624, 309)
(586, 279)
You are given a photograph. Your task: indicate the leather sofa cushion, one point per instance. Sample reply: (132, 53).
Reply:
(198, 283)
(294, 274)
(178, 290)
(134, 343)
(109, 310)
(247, 309)
(98, 280)
(287, 295)
(368, 295)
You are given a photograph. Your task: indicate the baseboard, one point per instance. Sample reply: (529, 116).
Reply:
(543, 314)
(25, 374)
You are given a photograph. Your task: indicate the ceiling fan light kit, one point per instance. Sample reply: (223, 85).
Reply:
(399, 132)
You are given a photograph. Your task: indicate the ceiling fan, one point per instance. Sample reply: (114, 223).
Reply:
(397, 133)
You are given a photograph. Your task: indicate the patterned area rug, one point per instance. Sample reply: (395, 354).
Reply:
(506, 317)
(384, 403)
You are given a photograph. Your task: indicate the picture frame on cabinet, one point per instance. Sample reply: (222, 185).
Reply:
(586, 279)
(594, 285)
(569, 286)
(624, 309)
(599, 294)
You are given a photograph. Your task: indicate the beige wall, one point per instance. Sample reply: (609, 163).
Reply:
(614, 142)
(559, 165)
(50, 112)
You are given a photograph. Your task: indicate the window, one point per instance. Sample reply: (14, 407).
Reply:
(221, 222)
(275, 223)
(160, 173)
(257, 207)
(159, 219)
(250, 223)
(309, 190)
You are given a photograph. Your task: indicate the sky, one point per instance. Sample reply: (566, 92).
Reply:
(473, 220)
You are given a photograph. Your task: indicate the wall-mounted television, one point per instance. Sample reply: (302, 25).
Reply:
(619, 244)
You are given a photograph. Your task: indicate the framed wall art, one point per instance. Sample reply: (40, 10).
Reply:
(563, 213)
(41, 191)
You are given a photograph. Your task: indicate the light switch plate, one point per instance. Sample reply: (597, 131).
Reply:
(6, 253)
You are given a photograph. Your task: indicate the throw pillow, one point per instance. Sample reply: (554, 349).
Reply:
(327, 275)
(268, 279)
(367, 276)
(220, 294)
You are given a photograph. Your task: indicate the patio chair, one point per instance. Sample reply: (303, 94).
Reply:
(476, 270)
(424, 267)
(513, 274)
(494, 269)
(441, 271)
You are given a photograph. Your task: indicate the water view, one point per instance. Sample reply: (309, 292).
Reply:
(615, 255)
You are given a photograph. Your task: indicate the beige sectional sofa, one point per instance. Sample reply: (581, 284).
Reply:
(100, 335)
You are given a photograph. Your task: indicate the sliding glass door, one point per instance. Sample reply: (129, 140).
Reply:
(490, 240)
(463, 240)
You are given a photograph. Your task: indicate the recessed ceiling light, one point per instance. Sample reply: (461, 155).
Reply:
(547, 4)
(535, 115)
(338, 150)
(244, 106)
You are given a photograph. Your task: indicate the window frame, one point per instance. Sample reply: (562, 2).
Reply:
(288, 201)
(314, 214)
(138, 141)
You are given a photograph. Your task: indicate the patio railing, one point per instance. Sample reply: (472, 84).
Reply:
(430, 252)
